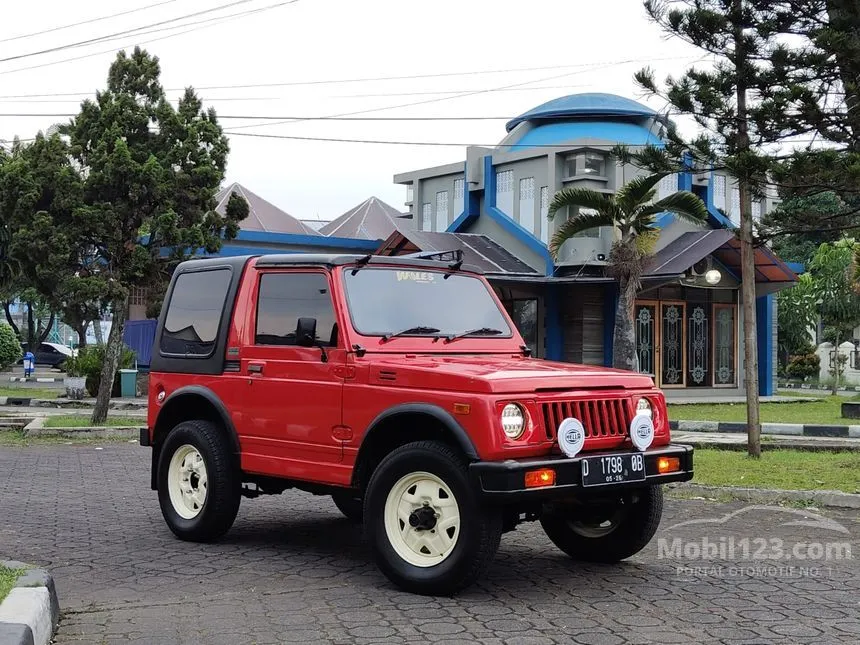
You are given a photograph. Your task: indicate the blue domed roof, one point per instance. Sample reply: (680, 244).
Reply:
(583, 105)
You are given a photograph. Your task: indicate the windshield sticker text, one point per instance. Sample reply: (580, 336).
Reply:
(415, 276)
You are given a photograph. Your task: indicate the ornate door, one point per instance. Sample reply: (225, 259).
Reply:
(725, 345)
(672, 344)
(661, 339)
(645, 322)
(698, 344)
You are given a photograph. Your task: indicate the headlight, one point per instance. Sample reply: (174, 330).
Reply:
(643, 406)
(513, 421)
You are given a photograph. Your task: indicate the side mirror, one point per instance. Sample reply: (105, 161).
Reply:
(306, 332)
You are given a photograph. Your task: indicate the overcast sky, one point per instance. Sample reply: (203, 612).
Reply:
(580, 45)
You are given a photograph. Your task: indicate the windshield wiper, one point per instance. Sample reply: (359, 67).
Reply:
(480, 331)
(420, 330)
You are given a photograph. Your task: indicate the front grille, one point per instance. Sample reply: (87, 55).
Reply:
(601, 417)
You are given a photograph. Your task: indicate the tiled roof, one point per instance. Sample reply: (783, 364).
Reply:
(372, 219)
(262, 215)
(478, 250)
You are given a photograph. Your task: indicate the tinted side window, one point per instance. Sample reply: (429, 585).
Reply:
(194, 313)
(286, 297)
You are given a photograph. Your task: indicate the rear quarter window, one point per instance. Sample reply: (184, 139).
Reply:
(194, 313)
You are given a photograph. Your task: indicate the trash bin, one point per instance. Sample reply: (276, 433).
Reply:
(29, 364)
(128, 383)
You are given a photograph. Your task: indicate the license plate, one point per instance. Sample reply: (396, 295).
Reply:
(613, 469)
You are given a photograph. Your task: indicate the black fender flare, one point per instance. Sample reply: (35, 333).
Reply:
(444, 417)
(175, 398)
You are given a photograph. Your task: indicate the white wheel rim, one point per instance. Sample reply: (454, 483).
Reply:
(187, 482)
(601, 529)
(434, 539)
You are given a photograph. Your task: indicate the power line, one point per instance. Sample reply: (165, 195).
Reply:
(441, 92)
(348, 116)
(216, 21)
(607, 146)
(98, 39)
(402, 143)
(76, 98)
(86, 22)
(415, 103)
(597, 65)
(456, 96)
(293, 118)
(261, 135)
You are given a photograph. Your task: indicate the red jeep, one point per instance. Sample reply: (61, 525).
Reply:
(400, 387)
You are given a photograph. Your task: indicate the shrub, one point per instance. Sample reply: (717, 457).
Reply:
(72, 366)
(10, 348)
(803, 366)
(92, 359)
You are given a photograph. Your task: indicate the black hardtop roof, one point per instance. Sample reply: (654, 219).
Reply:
(318, 259)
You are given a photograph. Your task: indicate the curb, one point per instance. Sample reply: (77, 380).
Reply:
(785, 385)
(828, 498)
(36, 429)
(25, 401)
(35, 379)
(791, 429)
(715, 441)
(29, 614)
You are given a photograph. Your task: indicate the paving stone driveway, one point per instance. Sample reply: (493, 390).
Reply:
(293, 570)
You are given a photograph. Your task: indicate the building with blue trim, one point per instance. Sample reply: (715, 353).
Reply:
(687, 316)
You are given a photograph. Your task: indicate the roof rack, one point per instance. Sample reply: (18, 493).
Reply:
(455, 255)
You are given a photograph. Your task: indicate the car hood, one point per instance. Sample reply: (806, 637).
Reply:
(498, 374)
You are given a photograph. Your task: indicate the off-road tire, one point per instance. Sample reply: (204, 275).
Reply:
(480, 526)
(632, 533)
(224, 482)
(351, 506)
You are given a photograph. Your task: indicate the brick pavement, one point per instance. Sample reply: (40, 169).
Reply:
(293, 570)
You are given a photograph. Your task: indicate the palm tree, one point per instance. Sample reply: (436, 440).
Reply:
(631, 213)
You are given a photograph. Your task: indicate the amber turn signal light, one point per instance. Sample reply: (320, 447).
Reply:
(668, 465)
(462, 408)
(540, 478)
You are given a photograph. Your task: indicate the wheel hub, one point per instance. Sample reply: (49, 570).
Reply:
(423, 519)
(187, 481)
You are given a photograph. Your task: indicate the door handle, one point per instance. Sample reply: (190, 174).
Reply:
(255, 368)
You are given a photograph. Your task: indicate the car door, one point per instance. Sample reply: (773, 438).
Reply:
(47, 355)
(294, 393)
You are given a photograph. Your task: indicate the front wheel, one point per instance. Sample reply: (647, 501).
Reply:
(199, 487)
(608, 533)
(424, 523)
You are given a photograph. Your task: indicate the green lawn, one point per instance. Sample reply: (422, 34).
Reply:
(31, 392)
(9, 438)
(824, 412)
(784, 469)
(83, 421)
(7, 579)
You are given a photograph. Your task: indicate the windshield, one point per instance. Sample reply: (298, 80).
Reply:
(385, 302)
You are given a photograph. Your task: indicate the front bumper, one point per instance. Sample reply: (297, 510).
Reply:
(504, 481)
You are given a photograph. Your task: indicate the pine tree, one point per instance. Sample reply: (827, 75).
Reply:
(719, 101)
(151, 172)
(809, 95)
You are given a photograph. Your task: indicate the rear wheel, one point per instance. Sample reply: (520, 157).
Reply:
(608, 533)
(199, 487)
(350, 505)
(425, 525)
